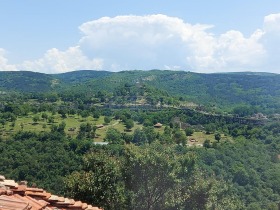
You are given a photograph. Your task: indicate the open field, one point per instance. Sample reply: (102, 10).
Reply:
(27, 123)
(198, 138)
(73, 123)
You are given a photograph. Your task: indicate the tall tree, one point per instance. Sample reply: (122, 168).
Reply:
(113, 136)
(99, 182)
(150, 176)
(129, 124)
(139, 137)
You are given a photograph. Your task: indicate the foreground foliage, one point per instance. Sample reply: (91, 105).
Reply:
(47, 136)
(148, 177)
(149, 170)
(43, 160)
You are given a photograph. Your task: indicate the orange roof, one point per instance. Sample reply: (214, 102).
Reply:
(17, 196)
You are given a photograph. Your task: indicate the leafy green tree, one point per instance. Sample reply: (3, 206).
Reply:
(107, 120)
(52, 97)
(208, 193)
(51, 159)
(242, 111)
(127, 138)
(180, 138)
(209, 128)
(3, 122)
(240, 175)
(150, 177)
(13, 117)
(84, 114)
(71, 111)
(150, 133)
(207, 143)
(165, 139)
(147, 122)
(129, 123)
(21, 126)
(139, 137)
(61, 127)
(51, 119)
(99, 183)
(86, 131)
(44, 126)
(44, 116)
(113, 136)
(35, 118)
(62, 113)
(85, 127)
(188, 131)
(58, 128)
(218, 137)
(96, 115)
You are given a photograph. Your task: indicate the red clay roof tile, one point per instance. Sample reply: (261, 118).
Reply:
(43, 195)
(20, 188)
(21, 197)
(84, 206)
(9, 183)
(36, 205)
(2, 178)
(11, 203)
(33, 189)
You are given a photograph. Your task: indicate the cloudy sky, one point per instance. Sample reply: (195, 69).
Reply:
(54, 36)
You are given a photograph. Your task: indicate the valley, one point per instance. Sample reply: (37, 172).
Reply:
(179, 134)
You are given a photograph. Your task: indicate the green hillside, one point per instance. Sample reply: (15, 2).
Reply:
(25, 81)
(76, 77)
(220, 90)
(202, 141)
(207, 89)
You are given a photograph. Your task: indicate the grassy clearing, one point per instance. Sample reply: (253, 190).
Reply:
(26, 123)
(200, 137)
(101, 133)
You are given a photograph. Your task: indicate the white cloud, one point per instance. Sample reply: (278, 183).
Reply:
(271, 23)
(162, 42)
(136, 42)
(4, 66)
(159, 41)
(271, 42)
(55, 61)
(235, 52)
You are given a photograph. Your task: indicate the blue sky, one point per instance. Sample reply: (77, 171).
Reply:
(55, 36)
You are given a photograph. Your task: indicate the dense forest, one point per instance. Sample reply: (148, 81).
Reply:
(220, 91)
(145, 140)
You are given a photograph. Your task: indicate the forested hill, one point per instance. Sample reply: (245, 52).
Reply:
(76, 77)
(230, 87)
(28, 81)
(25, 81)
(220, 89)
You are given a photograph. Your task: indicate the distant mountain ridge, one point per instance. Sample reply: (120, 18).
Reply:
(25, 81)
(28, 81)
(81, 76)
(249, 88)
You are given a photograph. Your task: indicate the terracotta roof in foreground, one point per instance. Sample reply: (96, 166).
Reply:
(18, 196)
